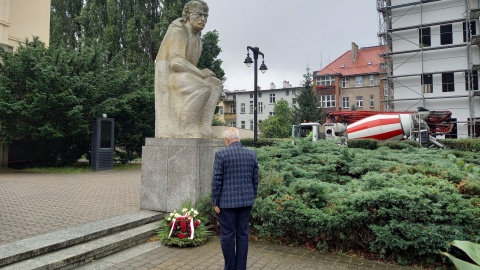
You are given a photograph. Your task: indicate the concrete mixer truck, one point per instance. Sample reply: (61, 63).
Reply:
(421, 126)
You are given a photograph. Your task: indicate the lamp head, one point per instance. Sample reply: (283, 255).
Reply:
(248, 61)
(263, 67)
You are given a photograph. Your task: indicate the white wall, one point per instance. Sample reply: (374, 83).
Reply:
(264, 97)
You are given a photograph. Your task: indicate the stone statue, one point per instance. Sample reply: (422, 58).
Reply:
(185, 96)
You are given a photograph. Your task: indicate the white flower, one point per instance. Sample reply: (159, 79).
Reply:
(184, 210)
(177, 215)
(195, 212)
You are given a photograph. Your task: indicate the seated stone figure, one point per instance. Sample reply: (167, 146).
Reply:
(185, 96)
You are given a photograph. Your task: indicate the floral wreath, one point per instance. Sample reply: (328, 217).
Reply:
(183, 229)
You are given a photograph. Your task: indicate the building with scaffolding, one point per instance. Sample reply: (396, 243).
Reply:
(431, 58)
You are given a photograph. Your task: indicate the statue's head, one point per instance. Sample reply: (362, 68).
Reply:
(195, 12)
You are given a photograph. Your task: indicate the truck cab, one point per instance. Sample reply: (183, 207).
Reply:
(311, 131)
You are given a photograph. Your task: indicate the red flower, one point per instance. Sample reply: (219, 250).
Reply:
(170, 224)
(196, 223)
(181, 235)
(180, 218)
(183, 226)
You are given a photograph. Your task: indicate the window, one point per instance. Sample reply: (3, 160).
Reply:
(327, 101)
(345, 102)
(327, 80)
(344, 82)
(446, 36)
(425, 39)
(251, 95)
(233, 124)
(294, 101)
(473, 80)
(359, 101)
(293, 92)
(287, 93)
(358, 81)
(220, 109)
(251, 106)
(271, 113)
(242, 107)
(242, 124)
(272, 98)
(448, 82)
(260, 107)
(251, 124)
(233, 109)
(427, 83)
(372, 101)
(372, 80)
(259, 94)
(473, 30)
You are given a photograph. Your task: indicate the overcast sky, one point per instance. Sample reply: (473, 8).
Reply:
(291, 34)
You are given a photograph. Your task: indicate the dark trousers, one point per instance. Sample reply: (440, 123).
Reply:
(234, 236)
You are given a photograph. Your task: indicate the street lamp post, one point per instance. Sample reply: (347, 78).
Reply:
(263, 68)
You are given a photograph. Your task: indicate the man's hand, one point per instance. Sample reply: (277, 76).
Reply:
(216, 209)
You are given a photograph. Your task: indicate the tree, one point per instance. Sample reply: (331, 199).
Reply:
(50, 98)
(210, 52)
(279, 125)
(307, 110)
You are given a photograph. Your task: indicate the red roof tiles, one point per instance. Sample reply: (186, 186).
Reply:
(367, 61)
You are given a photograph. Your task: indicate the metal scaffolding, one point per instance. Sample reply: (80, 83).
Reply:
(387, 34)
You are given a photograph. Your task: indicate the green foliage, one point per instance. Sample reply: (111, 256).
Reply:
(472, 250)
(205, 207)
(307, 110)
(401, 205)
(210, 52)
(370, 144)
(398, 145)
(278, 125)
(51, 96)
(470, 144)
(261, 142)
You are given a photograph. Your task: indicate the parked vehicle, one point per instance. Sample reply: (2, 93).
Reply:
(422, 126)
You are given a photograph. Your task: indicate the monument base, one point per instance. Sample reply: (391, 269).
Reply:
(175, 170)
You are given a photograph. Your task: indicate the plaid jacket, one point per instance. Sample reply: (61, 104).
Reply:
(235, 177)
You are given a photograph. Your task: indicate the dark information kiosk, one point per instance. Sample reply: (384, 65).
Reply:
(102, 144)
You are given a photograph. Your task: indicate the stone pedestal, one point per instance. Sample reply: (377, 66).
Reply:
(175, 170)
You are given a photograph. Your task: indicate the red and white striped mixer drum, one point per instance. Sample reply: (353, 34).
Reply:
(381, 127)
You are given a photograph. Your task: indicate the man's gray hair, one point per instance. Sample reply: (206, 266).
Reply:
(190, 6)
(232, 134)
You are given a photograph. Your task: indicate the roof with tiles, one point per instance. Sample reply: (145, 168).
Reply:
(367, 62)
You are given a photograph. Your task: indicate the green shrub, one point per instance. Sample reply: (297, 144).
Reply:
(402, 204)
(370, 144)
(468, 144)
(399, 145)
(261, 142)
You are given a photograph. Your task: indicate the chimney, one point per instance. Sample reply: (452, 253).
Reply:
(272, 86)
(354, 52)
(286, 84)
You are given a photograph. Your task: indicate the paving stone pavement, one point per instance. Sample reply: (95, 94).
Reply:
(32, 204)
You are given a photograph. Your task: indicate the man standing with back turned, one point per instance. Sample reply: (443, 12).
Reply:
(234, 188)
